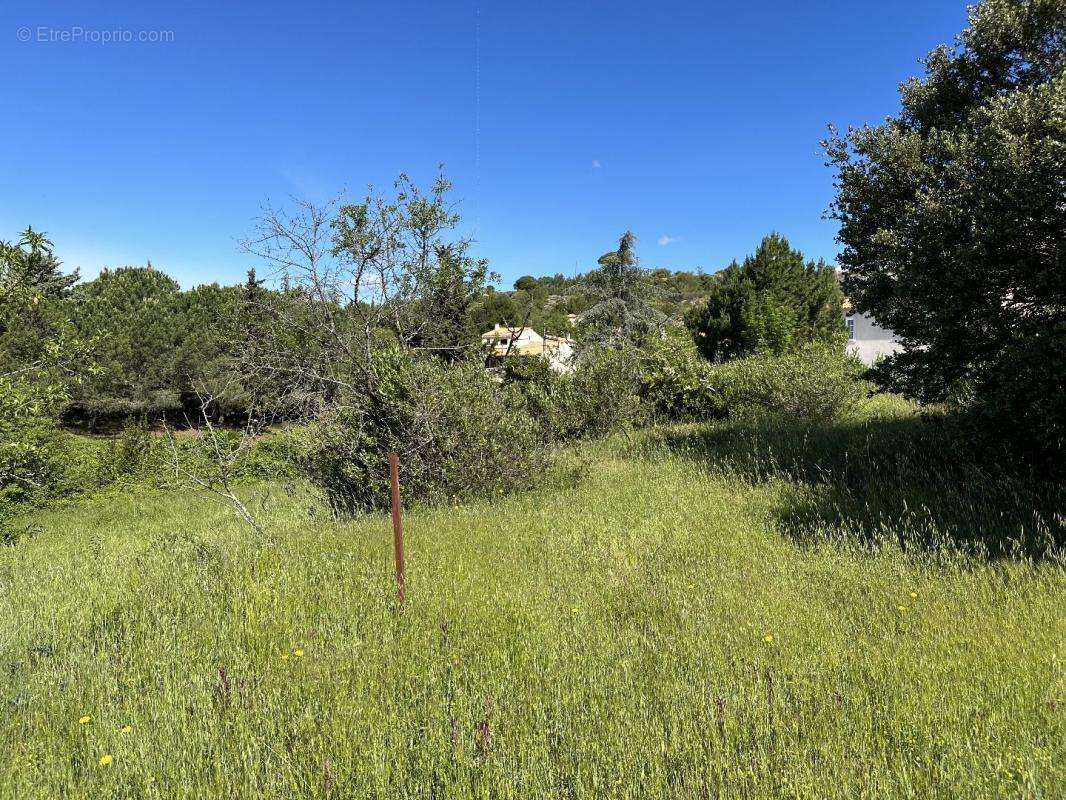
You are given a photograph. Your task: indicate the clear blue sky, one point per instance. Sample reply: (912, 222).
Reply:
(561, 123)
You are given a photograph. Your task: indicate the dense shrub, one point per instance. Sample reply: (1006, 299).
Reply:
(601, 395)
(775, 301)
(816, 383)
(676, 380)
(134, 453)
(29, 444)
(1021, 407)
(31, 452)
(458, 432)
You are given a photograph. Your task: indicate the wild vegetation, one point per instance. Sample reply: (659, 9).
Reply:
(712, 557)
(952, 221)
(711, 611)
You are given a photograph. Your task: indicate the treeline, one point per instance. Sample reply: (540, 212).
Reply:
(156, 350)
(370, 343)
(549, 303)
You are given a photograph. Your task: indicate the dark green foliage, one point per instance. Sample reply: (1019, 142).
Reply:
(494, 308)
(458, 434)
(774, 302)
(546, 301)
(451, 290)
(32, 265)
(534, 379)
(527, 283)
(953, 224)
(30, 456)
(816, 382)
(34, 329)
(134, 315)
(40, 359)
(160, 350)
(600, 396)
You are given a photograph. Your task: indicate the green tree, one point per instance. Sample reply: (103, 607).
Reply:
(40, 358)
(208, 348)
(451, 289)
(953, 222)
(135, 316)
(34, 299)
(527, 283)
(621, 293)
(493, 308)
(774, 302)
(403, 269)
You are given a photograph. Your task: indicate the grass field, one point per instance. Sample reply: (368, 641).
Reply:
(700, 616)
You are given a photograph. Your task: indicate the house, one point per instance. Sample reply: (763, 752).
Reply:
(506, 342)
(866, 339)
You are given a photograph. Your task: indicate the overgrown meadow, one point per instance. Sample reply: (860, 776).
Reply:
(656, 620)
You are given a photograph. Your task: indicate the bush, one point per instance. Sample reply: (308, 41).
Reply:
(539, 385)
(676, 380)
(600, 396)
(457, 431)
(133, 454)
(1019, 409)
(30, 444)
(815, 383)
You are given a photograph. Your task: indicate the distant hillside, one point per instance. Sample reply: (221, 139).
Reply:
(545, 302)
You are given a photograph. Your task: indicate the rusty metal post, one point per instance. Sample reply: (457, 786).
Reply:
(397, 525)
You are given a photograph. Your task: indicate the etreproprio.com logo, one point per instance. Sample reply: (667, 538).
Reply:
(77, 34)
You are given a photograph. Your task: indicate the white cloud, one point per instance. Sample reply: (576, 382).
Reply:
(596, 163)
(664, 240)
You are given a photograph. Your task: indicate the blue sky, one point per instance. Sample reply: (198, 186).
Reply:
(695, 124)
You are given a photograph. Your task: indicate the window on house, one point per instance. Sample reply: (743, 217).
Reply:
(851, 327)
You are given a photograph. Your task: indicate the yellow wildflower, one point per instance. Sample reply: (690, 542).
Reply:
(105, 759)
(126, 729)
(768, 638)
(901, 609)
(298, 652)
(914, 595)
(85, 720)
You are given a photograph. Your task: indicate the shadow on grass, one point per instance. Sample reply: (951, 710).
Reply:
(898, 477)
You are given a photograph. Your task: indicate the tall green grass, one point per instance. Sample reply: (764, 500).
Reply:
(655, 630)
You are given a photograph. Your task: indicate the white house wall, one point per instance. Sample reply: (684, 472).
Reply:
(870, 341)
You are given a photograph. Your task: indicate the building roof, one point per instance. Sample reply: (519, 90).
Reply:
(523, 341)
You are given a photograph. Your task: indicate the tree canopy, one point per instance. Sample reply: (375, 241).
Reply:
(774, 301)
(953, 221)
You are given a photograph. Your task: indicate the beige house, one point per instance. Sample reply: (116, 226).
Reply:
(506, 342)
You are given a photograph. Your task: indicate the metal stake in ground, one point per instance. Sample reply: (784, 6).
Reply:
(397, 524)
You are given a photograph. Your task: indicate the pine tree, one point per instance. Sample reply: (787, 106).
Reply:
(775, 301)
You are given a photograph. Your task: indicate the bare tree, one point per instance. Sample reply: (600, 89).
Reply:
(365, 275)
(216, 456)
